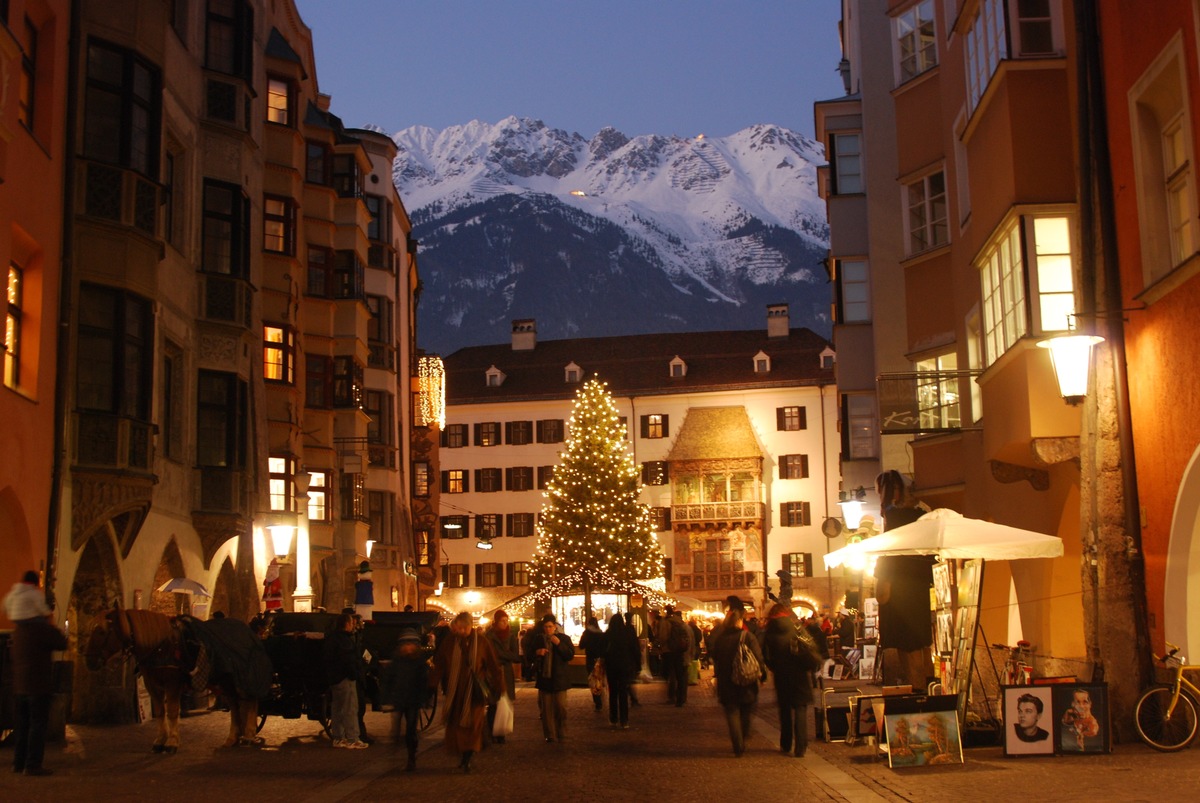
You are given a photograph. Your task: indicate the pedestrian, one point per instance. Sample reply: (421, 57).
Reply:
(737, 701)
(592, 644)
(792, 658)
(632, 622)
(677, 651)
(408, 691)
(469, 671)
(504, 641)
(342, 668)
(622, 660)
(554, 653)
(34, 641)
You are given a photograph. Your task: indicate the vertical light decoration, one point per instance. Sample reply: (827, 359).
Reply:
(592, 519)
(431, 391)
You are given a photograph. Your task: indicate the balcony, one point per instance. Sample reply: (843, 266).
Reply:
(227, 300)
(113, 442)
(381, 355)
(381, 456)
(716, 511)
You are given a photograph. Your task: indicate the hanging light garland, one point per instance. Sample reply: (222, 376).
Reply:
(431, 390)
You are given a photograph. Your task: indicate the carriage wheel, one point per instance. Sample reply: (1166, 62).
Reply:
(425, 718)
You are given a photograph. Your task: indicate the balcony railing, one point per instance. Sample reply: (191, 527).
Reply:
(120, 195)
(716, 511)
(381, 456)
(114, 442)
(381, 355)
(227, 299)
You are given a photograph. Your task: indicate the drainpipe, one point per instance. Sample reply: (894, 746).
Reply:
(62, 373)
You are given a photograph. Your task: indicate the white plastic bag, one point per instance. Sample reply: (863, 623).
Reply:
(504, 717)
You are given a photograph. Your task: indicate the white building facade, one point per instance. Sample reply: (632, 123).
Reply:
(735, 432)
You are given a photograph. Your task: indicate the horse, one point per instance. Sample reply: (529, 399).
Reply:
(174, 654)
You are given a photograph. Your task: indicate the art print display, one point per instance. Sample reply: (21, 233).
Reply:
(1028, 721)
(942, 585)
(1081, 718)
(922, 731)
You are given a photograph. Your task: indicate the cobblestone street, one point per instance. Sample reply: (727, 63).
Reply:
(668, 753)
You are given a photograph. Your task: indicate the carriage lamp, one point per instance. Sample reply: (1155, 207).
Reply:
(281, 540)
(1071, 356)
(851, 503)
(370, 547)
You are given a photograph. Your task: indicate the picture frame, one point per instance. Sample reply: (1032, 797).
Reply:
(942, 584)
(866, 721)
(1082, 723)
(1028, 714)
(944, 642)
(922, 731)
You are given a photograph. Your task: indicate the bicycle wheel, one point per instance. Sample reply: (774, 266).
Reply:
(1156, 729)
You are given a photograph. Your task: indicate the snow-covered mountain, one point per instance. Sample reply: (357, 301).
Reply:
(610, 235)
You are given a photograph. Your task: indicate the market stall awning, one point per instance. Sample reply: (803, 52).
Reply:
(948, 534)
(601, 581)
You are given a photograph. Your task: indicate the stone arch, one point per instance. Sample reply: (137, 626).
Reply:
(1181, 625)
(170, 565)
(105, 695)
(15, 542)
(227, 597)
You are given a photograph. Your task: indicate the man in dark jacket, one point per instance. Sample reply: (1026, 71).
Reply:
(553, 652)
(33, 644)
(342, 670)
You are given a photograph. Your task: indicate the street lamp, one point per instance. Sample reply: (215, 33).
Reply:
(1071, 356)
(281, 540)
(851, 503)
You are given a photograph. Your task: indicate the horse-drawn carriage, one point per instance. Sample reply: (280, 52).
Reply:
(295, 642)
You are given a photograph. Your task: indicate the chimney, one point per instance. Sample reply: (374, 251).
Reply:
(524, 334)
(778, 322)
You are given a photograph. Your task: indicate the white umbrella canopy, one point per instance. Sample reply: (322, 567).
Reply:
(948, 534)
(184, 585)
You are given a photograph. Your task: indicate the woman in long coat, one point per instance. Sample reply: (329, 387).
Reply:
(463, 659)
(793, 676)
(738, 701)
(504, 641)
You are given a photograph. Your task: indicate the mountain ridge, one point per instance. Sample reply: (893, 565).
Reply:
(643, 234)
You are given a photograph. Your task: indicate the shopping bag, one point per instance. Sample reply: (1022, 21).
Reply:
(504, 717)
(693, 672)
(597, 681)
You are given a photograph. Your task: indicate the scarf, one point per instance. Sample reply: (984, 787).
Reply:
(548, 658)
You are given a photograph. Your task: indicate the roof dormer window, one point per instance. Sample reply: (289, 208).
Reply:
(762, 363)
(572, 374)
(828, 358)
(678, 368)
(495, 377)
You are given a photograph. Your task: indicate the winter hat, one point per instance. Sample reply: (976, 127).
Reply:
(364, 568)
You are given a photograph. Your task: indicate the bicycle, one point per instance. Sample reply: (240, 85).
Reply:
(1166, 714)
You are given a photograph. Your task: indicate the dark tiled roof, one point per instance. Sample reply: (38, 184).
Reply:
(279, 48)
(709, 433)
(638, 365)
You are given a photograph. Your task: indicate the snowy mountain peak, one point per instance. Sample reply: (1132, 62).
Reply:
(720, 219)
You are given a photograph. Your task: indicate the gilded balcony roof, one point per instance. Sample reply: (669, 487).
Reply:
(715, 433)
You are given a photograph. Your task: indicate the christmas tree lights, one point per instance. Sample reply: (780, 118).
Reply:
(592, 524)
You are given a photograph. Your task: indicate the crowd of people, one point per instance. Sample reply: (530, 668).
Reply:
(476, 672)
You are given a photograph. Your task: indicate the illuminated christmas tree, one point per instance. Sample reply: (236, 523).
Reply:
(592, 520)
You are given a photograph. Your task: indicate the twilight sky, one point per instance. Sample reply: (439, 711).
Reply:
(681, 67)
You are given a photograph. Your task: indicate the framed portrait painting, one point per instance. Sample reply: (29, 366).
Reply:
(1081, 718)
(1028, 721)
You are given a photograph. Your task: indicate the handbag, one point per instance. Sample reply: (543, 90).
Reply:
(504, 717)
(597, 680)
(746, 670)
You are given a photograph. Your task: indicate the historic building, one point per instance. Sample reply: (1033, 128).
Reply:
(1001, 175)
(735, 433)
(241, 292)
(33, 58)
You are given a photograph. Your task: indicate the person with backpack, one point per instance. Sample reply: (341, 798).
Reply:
(736, 698)
(676, 654)
(592, 644)
(792, 658)
(622, 660)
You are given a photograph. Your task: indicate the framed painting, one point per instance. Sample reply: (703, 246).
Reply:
(866, 723)
(1028, 721)
(922, 731)
(1081, 718)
